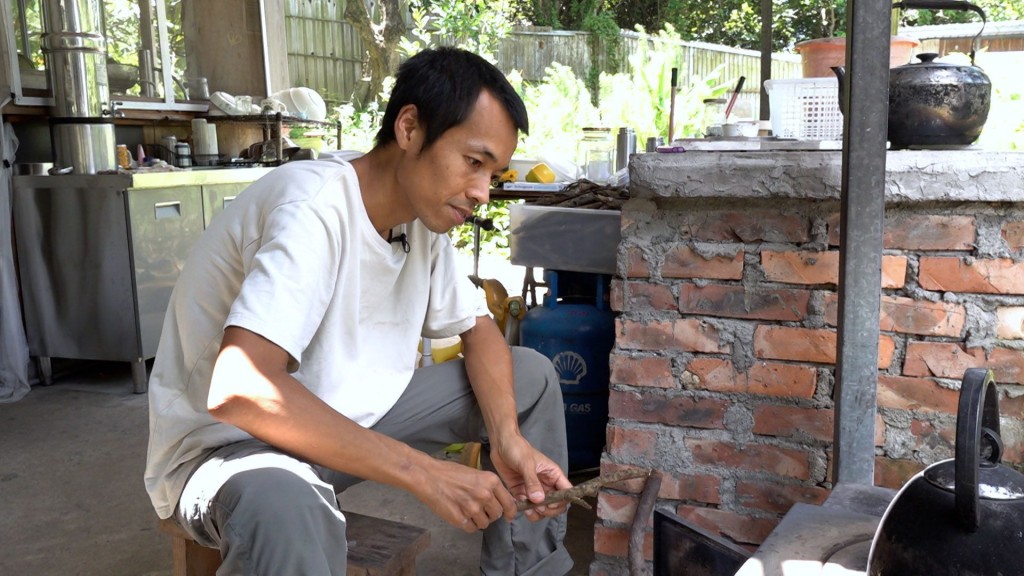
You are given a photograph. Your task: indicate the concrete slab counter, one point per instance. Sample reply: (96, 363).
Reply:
(724, 369)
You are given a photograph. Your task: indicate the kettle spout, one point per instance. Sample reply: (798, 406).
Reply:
(840, 72)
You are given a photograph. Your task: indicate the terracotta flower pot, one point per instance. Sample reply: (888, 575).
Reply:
(818, 56)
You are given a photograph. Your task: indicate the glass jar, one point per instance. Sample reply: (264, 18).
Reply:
(714, 117)
(124, 158)
(597, 154)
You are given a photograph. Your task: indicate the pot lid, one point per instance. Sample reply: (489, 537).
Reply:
(995, 481)
(929, 60)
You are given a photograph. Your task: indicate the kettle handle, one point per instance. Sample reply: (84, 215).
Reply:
(977, 415)
(948, 5)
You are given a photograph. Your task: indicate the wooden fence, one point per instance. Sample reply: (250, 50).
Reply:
(325, 54)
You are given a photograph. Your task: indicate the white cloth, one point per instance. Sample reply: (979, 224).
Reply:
(296, 259)
(13, 347)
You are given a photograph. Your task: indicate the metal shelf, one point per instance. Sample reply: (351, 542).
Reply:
(273, 125)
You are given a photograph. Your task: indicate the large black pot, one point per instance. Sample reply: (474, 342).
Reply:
(934, 104)
(962, 517)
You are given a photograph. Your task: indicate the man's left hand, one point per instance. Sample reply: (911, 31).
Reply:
(529, 475)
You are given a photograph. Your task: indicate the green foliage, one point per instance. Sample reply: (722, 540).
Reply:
(1004, 129)
(559, 108)
(640, 98)
(492, 242)
(565, 14)
(32, 34)
(738, 22)
(605, 47)
(474, 25)
(995, 10)
(359, 127)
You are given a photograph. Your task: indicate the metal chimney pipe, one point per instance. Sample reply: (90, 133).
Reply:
(75, 49)
(75, 52)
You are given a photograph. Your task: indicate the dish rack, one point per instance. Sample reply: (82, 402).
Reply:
(805, 108)
(161, 152)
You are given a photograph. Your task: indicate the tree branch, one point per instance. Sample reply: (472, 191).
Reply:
(588, 488)
(637, 530)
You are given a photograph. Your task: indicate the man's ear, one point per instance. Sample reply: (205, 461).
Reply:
(408, 134)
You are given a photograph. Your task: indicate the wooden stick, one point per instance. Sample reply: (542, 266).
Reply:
(672, 106)
(588, 488)
(644, 510)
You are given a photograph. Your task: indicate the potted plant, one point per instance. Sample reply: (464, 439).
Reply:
(820, 54)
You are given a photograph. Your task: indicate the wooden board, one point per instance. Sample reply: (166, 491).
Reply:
(379, 547)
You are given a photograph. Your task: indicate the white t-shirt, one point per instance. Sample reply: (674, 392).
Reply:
(295, 259)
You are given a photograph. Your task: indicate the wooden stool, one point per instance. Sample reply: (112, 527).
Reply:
(376, 547)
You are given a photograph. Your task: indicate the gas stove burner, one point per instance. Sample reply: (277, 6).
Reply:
(850, 559)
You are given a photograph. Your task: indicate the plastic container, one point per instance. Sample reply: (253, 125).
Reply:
(714, 117)
(805, 108)
(597, 154)
(817, 56)
(573, 239)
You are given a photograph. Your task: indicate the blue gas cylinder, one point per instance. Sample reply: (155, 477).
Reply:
(576, 329)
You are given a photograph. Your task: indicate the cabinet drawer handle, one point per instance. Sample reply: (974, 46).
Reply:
(227, 200)
(167, 210)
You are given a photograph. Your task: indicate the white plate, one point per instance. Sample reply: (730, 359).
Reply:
(226, 103)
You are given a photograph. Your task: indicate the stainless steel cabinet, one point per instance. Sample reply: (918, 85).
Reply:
(164, 224)
(99, 256)
(216, 198)
(98, 260)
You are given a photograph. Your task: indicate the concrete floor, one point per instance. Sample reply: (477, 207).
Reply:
(72, 500)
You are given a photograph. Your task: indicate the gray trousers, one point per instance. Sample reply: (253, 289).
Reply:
(271, 514)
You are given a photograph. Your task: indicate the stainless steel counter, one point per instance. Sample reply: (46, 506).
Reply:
(141, 180)
(829, 540)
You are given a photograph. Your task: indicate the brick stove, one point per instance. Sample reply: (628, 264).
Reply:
(724, 364)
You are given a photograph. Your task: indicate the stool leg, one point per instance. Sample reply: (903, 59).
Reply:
(191, 559)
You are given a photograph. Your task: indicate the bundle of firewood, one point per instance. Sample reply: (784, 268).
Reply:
(584, 194)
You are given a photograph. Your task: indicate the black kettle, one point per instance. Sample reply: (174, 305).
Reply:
(934, 104)
(963, 516)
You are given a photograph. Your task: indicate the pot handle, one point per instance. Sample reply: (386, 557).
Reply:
(948, 5)
(977, 416)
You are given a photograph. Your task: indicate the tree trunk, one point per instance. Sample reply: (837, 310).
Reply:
(381, 42)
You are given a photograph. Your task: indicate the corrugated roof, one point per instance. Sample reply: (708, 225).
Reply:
(967, 30)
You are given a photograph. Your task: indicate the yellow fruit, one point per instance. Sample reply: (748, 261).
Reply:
(509, 176)
(540, 173)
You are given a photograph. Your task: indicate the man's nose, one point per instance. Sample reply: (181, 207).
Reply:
(480, 191)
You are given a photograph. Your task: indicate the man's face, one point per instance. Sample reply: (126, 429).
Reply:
(445, 182)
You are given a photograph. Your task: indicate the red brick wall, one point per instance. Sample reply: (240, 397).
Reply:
(723, 372)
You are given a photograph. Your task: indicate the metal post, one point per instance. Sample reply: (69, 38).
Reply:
(766, 56)
(862, 211)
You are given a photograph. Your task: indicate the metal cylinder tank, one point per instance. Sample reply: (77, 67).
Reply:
(576, 329)
(87, 145)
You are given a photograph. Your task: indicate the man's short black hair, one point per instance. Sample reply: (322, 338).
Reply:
(444, 85)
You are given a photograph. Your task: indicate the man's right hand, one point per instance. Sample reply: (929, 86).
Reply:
(465, 497)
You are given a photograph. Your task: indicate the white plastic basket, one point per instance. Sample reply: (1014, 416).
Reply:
(805, 108)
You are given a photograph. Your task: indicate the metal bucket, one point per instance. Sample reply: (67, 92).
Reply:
(32, 168)
(86, 147)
